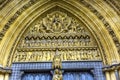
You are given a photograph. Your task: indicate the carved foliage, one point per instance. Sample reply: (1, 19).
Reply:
(56, 22)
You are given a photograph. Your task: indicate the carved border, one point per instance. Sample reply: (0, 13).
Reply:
(101, 50)
(112, 3)
(31, 2)
(108, 27)
(105, 60)
(101, 47)
(106, 24)
(15, 16)
(3, 3)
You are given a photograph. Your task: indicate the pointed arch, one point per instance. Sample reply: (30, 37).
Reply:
(96, 27)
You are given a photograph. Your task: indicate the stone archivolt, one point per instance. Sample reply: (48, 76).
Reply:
(57, 30)
(5, 51)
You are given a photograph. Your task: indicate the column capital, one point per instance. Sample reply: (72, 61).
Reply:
(5, 70)
(112, 67)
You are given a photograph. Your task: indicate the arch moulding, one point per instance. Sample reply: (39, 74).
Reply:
(96, 27)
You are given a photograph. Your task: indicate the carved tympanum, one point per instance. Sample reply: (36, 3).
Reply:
(57, 30)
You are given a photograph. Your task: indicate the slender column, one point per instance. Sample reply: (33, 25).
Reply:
(6, 76)
(113, 76)
(107, 75)
(1, 76)
(119, 73)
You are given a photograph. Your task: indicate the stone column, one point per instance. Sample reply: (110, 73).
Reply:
(108, 77)
(6, 76)
(113, 75)
(119, 73)
(4, 73)
(1, 76)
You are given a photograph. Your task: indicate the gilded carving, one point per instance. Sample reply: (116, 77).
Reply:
(3, 3)
(114, 4)
(57, 30)
(57, 62)
(65, 55)
(15, 16)
(57, 66)
(106, 24)
(57, 75)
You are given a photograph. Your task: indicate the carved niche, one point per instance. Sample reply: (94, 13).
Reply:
(57, 31)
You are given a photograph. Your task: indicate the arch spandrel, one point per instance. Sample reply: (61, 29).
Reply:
(21, 22)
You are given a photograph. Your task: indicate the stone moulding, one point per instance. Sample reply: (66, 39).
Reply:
(3, 3)
(5, 70)
(114, 5)
(31, 2)
(106, 24)
(108, 27)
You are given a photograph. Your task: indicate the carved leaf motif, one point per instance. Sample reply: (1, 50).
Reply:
(56, 22)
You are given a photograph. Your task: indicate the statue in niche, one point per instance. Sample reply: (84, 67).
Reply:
(82, 54)
(48, 56)
(51, 55)
(65, 43)
(70, 55)
(79, 55)
(32, 42)
(75, 55)
(61, 55)
(73, 25)
(44, 56)
(16, 57)
(87, 40)
(57, 61)
(57, 75)
(36, 27)
(40, 57)
(82, 40)
(48, 42)
(64, 55)
(57, 25)
(22, 43)
(31, 30)
(70, 41)
(29, 54)
(76, 41)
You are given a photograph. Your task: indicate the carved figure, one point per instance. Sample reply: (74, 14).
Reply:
(57, 61)
(57, 75)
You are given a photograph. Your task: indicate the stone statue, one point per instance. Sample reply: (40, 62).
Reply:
(57, 61)
(57, 75)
